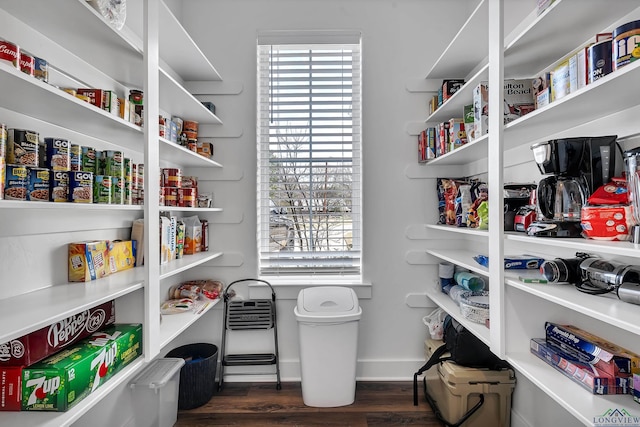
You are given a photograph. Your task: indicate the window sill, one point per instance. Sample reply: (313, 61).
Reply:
(290, 287)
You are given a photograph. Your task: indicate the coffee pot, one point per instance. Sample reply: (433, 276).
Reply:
(561, 198)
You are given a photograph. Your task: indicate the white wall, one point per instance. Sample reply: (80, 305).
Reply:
(400, 40)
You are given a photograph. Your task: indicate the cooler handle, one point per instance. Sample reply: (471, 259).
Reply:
(438, 414)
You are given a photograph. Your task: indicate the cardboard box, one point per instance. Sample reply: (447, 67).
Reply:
(636, 387)
(64, 379)
(192, 235)
(10, 388)
(88, 260)
(165, 240)
(588, 348)
(588, 376)
(449, 87)
(480, 110)
(96, 96)
(121, 255)
(541, 89)
(204, 149)
(124, 109)
(44, 342)
(457, 134)
(560, 81)
(518, 99)
(468, 121)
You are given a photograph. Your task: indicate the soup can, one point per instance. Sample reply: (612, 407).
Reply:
(17, 179)
(117, 190)
(58, 154)
(81, 187)
(102, 192)
(59, 186)
(22, 147)
(27, 63)
(626, 44)
(600, 61)
(10, 52)
(89, 162)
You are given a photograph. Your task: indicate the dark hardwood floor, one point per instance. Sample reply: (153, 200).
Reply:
(383, 404)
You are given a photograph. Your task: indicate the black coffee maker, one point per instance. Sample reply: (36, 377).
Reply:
(577, 167)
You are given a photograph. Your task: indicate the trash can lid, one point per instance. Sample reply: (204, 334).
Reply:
(327, 301)
(157, 373)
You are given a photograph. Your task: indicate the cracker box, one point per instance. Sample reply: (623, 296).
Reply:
(88, 260)
(120, 255)
(588, 348)
(64, 379)
(589, 377)
(44, 342)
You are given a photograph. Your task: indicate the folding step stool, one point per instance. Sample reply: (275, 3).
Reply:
(252, 314)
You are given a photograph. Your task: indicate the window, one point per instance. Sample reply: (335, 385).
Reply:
(309, 164)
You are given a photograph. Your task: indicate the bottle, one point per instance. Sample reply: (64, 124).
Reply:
(469, 281)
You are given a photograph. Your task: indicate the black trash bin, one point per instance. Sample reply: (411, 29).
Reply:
(198, 375)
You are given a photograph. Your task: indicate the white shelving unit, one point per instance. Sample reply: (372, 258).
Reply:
(77, 41)
(535, 45)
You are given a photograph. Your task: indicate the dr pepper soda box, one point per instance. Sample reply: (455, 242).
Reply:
(44, 342)
(64, 379)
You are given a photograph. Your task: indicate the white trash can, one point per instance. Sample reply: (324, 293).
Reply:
(328, 332)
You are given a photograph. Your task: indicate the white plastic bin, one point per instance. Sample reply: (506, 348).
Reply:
(328, 330)
(155, 393)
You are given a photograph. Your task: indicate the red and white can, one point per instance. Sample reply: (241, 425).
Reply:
(27, 63)
(171, 177)
(187, 197)
(10, 52)
(170, 196)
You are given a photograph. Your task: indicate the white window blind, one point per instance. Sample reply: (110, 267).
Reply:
(309, 159)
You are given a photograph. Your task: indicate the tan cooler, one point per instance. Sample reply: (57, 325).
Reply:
(457, 389)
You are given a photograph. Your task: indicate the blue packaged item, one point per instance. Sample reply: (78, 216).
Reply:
(521, 262)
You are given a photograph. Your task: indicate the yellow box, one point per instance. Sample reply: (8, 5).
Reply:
(120, 255)
(88, 260)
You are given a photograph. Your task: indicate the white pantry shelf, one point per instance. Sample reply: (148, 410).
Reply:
(172, 325)
(185, 263)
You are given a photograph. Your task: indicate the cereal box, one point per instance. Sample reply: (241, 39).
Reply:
(44, 342)
(120, 255)
(88, 260)
(64, 379)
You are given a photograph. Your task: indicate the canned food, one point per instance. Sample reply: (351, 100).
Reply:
(22, 147)
(190, 126)
(58, 154)
(40, 69)
(76, 157)
(81, 187)
(128, 193)
(102, 189)
(10, 52)
(27, 63)
(101, 163)
(192, 145)
(38, 186)
(626, 44)
(113, 163)
(117, 190)
(170, 196)
(140, 177)
(17, 179)
(191, 135)
(88, 160)
(599, 60)
(171, 177)
(136, 96)
(59, 186)
(187, 197)
(3, 140)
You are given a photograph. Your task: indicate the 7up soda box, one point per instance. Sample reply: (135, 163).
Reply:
(64, 379)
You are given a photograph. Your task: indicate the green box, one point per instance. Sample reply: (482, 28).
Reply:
(60, 381)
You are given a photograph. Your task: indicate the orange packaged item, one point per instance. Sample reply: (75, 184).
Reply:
(88, 260)
(192, 235)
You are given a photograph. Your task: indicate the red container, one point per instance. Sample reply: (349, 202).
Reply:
(42, 343)
(27, 63)
(171, 177)
(10, 52)
(187, 197)
(170, 196)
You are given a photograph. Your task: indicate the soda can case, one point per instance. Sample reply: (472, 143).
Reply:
(61, 381)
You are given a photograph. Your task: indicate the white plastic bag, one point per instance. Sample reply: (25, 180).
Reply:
(434, 321)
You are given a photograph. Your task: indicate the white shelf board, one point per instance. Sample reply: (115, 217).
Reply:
(578, 401)
(17, 204)
(461, 258)
(116, 53)
(32, 97)
(606, 308)
(469, 152)
(186, 262)
(577, 108)
(454, 106)
(181, 209)
(459, 230)
(64, 419)
(173, 325)
(34, 310)
(548, 39)
(180, 52)
(445, 302)
(170, 151)
(177, 101)
(580, 244)
(465, 51)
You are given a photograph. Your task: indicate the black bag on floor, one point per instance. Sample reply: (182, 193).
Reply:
(466, 350)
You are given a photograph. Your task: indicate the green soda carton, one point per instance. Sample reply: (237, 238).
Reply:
(60, 381)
